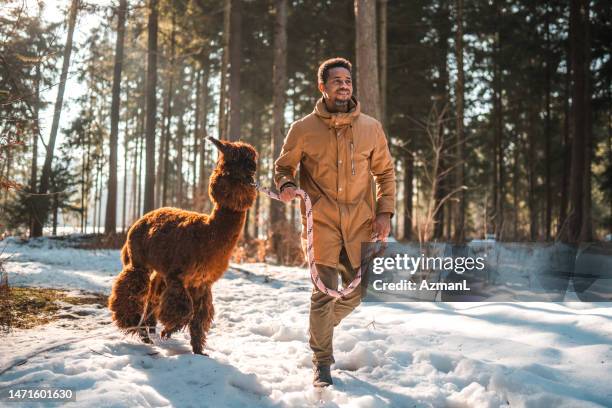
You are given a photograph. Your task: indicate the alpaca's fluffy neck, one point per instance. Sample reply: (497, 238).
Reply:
(229, 221)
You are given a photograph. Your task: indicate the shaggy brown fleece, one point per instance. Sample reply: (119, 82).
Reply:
(172, 257)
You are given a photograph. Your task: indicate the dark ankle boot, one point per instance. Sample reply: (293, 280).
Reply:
(322, 376)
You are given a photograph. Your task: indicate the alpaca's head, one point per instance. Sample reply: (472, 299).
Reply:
(232, 183)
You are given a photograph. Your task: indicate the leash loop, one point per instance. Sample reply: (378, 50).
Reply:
(314, 273)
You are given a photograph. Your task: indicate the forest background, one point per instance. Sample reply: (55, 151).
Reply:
(498, 112)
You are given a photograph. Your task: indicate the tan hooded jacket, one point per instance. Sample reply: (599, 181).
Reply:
(339, 154)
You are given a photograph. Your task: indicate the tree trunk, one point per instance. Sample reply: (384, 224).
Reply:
(139, 178)
(136, 170)
(258, 201)
(382, 59)
(366, 48)
(95, 199)
(443, 182)
(408, 178)
(55, 214)
(440, 193)
(586, 229)
(532, 200)
(566, 142)
(8, 166)
(179, 159)
(164, 164)
(257, 211)
(98, 202)
(166, 157)
(203, 178)
(235, 65)
(515, 190)
(85, 186)
(196, 137)
(162, 148)
(547, 135)
(498, 160)
(459, 94)
(610, 162)
(449, 220)
(224, 64)
(110, 221)
(279, 81)
(257, 129)
(125, 167)
(579, 69)
(35, 134)
(151, 106)
(46, 170)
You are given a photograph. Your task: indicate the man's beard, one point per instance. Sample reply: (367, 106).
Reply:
(341, 103)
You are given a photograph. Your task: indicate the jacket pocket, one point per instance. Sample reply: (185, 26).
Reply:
(360, 155)
(369, 212)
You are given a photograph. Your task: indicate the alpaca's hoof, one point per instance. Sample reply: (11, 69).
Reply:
(143, 333)
(145, 338)
(200, 352)
(166, 334)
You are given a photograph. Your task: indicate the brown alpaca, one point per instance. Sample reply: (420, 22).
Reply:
(172, 257)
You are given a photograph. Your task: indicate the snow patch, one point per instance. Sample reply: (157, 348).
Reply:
(387, 354)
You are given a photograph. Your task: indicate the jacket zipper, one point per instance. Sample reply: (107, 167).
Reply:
(352, 161)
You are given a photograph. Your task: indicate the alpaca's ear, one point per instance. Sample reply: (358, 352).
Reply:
(218, 144)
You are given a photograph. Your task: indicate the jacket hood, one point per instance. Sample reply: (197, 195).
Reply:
(339, 119)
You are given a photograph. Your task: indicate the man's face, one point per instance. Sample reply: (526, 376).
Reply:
(338, 89)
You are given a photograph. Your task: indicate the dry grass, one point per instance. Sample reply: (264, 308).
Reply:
(5, 310)
(101, 241)
(288, 252)
(253, 250)
(25, 308)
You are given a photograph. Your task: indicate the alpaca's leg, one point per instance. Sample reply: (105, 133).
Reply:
(148, 328)
(175, 308)
(127, 298)
(156, 286)
(202, 319)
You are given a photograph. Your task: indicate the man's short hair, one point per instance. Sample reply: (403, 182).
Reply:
(323, 73)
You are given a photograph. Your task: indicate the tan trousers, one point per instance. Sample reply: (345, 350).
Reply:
(325, 313)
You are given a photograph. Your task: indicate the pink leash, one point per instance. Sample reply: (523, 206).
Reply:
(314, 274)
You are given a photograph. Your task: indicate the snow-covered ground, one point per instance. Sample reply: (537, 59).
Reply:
(393, 354)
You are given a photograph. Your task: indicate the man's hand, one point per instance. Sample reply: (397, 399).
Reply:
(287, 194)
(382, 226)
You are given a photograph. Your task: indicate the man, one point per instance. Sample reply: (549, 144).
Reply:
(338, 149)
